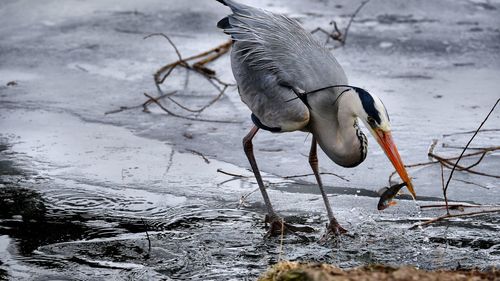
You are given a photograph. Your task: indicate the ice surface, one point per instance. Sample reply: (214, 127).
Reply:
(82, 175)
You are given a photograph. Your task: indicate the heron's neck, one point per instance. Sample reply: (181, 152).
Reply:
(338, 133)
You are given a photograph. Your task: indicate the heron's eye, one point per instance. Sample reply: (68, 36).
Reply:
(371, 121)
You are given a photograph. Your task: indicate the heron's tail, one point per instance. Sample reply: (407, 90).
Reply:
(235, 6)
(223, 2)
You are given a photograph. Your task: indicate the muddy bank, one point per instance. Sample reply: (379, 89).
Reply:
(284, 271)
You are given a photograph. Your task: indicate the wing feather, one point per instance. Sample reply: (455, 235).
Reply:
(272, 50)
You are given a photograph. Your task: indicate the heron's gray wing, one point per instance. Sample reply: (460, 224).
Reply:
(280, 45)
(273, 54)
(269, 101)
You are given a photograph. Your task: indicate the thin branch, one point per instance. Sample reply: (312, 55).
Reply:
(444, 191)
(477, 162)
(147, 236)
(346, 31)
(199, 154)
(335, 34)
(445, 145)
(449, 216)
(455, 166)
(468, 143)
(122, 108)
(281, 239)
(221, 49)
(448, 164)
(199, 110)
(169, 41)
(199, 67)
(432, 147)
(214, 54)
(143, 105)
(170, 162)
(284, 177)
(447, 161)
(321, 173)
(473, 183)
(470, 132)
(486, 149)
(186, 117)
(453, 206)
(230, 174)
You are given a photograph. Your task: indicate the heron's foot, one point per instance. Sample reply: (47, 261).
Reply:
(333, 230)
(278, 226)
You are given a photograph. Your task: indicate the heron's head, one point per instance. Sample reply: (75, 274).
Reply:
(375, 117)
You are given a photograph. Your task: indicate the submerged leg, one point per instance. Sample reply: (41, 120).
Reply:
(276, 222)
(333, 227)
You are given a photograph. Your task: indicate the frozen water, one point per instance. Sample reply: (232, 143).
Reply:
(78, 188)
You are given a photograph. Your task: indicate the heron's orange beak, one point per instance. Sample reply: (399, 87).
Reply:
(385, 140)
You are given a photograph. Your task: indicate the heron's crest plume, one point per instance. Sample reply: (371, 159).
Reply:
(302, 94)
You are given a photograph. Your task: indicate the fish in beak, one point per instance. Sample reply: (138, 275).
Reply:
(384, 138)
(388, 193)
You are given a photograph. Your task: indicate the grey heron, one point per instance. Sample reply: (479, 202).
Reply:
(291, 82)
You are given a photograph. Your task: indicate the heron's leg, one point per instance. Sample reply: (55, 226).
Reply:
(276, 222)
(333, 227)
(248, 147)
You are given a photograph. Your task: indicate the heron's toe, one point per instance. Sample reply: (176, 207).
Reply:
(278, 226)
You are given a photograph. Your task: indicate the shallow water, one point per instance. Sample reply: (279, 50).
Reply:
(80, 219)
(81, 192)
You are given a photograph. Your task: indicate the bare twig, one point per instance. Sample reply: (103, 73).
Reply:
(244, 197)
(346, 31)
(449, 216)
(281, 238)
(199, 154)
(458, 206)
(468, 143)
(452, 206)
(169, 41)
(336, 34)
(144, 105)
(322, 173)
(453, 167)
(198, 66)
(185, 117)
(122, 108)
(470, 132)
(446, 162)
(473, 183)
(230, 174)
(147, 236)
(199, 110)
(285, 177)
(444, 191)
(486, 149)
(445, 145)
(221, 49)
(432, 147)
(170, 162)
